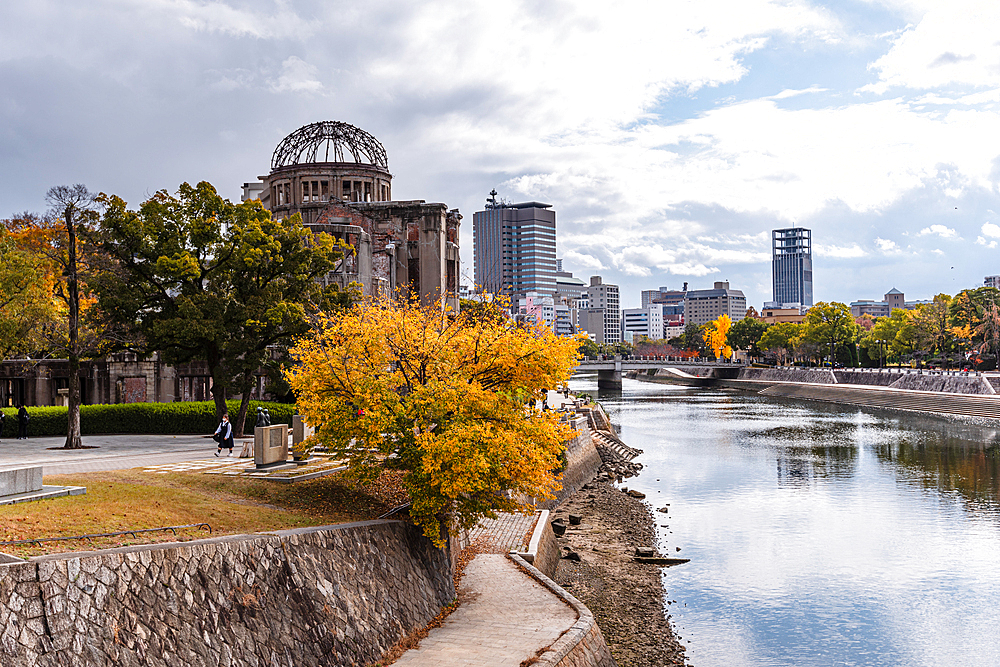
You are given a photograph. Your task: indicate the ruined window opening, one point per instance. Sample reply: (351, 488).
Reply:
(315, 191)
(347, 190)
(368, 191)
(325, 191)
(305, 191)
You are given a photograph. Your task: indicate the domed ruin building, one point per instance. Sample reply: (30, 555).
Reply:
(336, 176)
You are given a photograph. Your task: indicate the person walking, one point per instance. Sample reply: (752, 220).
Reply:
(224, 435)
(22, 423)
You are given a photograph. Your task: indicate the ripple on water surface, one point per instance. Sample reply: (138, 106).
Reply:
(820, 534)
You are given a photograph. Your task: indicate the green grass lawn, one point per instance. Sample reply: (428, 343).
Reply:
(133, 499)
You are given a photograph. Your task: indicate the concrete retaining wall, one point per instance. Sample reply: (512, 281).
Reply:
(583, 644)
(336, 595)
(583, 461)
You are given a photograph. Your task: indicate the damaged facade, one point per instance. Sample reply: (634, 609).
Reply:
(336, 176)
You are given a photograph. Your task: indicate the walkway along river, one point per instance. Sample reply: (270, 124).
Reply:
(819, 534)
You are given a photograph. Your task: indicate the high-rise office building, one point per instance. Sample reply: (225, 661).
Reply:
(791, 266)
(514, 247)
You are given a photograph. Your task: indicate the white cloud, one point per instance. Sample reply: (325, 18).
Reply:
(990, 229)
(582, 259)
(886, 246)
(937, 251)
(785, 94)
(983, 242)
(953, 43)
(939, 230)
(839, 252)
(297, 76)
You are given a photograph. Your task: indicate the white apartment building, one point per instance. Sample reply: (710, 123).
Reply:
(602, 317)
(646, 322)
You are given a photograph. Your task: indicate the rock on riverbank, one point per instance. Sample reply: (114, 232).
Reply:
(626, 597)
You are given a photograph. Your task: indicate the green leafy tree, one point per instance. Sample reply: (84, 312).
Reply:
(694, 338)
(932, 323)
(201, 278)
(830, 324)
(781, 338)
(746, 334)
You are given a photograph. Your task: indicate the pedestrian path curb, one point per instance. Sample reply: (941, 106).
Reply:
(582, 644)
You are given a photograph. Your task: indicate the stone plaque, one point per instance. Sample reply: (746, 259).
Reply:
(270, 444)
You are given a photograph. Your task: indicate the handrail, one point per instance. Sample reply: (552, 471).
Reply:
(133, 533)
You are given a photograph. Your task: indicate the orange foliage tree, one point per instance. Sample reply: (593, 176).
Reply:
(448, 399)
(717, 331)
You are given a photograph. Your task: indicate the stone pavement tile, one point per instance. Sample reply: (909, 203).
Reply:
(507, 618)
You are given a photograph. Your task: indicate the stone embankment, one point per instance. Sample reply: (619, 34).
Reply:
(626, 597)
(943, 392)
(336, 595)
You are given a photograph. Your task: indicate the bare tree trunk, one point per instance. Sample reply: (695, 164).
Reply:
(240, 422)
(73, 439)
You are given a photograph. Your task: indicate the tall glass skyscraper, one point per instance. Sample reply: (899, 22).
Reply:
(514, 248)
(792, 267)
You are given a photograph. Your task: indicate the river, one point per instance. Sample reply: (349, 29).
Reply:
(819, 534)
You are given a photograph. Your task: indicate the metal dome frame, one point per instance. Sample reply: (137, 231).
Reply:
(306, 144)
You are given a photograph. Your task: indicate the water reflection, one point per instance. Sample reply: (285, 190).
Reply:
(821, 534)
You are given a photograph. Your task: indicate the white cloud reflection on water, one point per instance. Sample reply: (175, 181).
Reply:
(819, 535)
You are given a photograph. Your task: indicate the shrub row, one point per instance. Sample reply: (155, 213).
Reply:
(145, 418)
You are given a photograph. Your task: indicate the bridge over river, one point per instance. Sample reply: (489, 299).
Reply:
(609, 368)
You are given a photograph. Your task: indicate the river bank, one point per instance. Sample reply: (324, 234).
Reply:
(626, 597)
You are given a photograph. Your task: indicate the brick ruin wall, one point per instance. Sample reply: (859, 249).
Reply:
(336, 595)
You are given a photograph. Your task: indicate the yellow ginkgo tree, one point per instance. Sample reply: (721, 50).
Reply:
(716, 333)
(450, 399)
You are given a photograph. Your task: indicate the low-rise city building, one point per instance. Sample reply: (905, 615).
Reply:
(646, 322)
(707, 305)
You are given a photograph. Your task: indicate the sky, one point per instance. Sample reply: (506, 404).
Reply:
(669, 136)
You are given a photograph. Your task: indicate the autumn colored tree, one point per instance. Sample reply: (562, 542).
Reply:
(198, 277)
(449, 400)
(26, 292)
(716, 333)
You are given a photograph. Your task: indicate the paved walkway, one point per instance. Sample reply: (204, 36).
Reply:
(506, 618)
(508, 532)
(113, 452)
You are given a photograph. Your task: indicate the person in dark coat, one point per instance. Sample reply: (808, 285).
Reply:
(22, 423)
(2, 418)
(224, 436)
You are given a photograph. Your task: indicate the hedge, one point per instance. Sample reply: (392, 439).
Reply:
(185, 417)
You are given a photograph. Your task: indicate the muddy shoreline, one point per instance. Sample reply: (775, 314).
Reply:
(626, 597)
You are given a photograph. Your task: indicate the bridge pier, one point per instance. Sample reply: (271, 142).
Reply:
(609, 380)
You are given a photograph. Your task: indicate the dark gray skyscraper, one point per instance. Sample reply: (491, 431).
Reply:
(792, 266)
(514, 248)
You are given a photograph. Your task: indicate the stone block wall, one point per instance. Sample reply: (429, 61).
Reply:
(335, 595)
(583, 461)
(814, 375)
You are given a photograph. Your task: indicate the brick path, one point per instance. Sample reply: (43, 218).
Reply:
(508, 532)
(505, 620)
